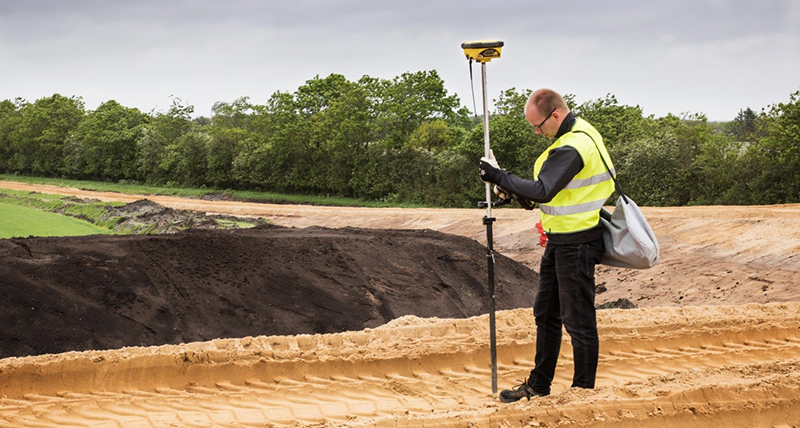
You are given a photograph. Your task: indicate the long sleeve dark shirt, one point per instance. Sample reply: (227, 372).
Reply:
(560, 167)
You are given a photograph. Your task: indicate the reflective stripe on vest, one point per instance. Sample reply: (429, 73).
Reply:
(573, 209)
(577, 207)
(595, 179)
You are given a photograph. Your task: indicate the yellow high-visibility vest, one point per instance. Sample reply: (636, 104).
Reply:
(577, 207)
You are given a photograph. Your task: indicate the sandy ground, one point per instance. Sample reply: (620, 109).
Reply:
(715, 343)
(687, 367)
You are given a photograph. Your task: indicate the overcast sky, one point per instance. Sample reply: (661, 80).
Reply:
(698, 56)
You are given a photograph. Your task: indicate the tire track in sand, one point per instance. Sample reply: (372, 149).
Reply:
(667, 366)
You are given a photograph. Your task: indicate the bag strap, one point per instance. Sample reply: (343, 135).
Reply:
(616, 185)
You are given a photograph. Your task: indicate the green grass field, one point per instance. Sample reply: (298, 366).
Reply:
(17, 221)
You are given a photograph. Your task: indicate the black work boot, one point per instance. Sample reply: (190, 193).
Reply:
(519, 391)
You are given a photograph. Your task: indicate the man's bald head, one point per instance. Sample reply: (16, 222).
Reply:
(547, 100)
(545, 110)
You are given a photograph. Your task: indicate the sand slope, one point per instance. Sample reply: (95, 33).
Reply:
(689, 367)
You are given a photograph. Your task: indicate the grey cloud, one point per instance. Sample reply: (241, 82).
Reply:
(682, 20)
(206, 51)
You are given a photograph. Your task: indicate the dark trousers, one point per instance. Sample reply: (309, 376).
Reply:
(566, 297)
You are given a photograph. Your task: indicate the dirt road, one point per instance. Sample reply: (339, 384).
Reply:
(716, 343)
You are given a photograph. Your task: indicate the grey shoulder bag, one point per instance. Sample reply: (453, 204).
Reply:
(628, 238)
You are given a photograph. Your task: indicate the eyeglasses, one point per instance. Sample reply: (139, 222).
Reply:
(539, 126)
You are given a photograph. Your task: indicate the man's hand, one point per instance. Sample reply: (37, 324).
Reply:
(501, 193)
(489, 173)
(489, 169)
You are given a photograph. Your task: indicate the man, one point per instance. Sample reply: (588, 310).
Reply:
(571, 184)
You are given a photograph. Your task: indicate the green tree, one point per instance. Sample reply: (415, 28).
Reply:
(299, 148)
(662, 168)
(409, 100)
(185, 159)
(784, 131)
(259, 165)
(396, 174)
(349, 124)
(162, 130)
(336, 136)
(37, 140)
(316, 137)
(230, 127)
(435, 135)
(769, 171)
(454, 182)
(744, 125)
(512, 103)
(10, 114)
(103, 145)
(715, 166)
(648, 173)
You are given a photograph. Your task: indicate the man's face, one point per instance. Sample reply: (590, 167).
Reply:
(544, 123)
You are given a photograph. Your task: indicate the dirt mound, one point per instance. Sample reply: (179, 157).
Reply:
(101, 292)
(617, 304)
(146, 217)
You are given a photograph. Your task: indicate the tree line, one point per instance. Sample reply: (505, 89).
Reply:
(403, 140)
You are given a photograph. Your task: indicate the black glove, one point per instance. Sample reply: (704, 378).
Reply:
(490, 174)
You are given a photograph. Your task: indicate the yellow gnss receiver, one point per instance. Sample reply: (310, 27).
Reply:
(482, 50)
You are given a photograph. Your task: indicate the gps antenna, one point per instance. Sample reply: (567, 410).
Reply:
(484, 51)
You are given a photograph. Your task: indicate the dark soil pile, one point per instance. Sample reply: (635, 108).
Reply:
(104, 292)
